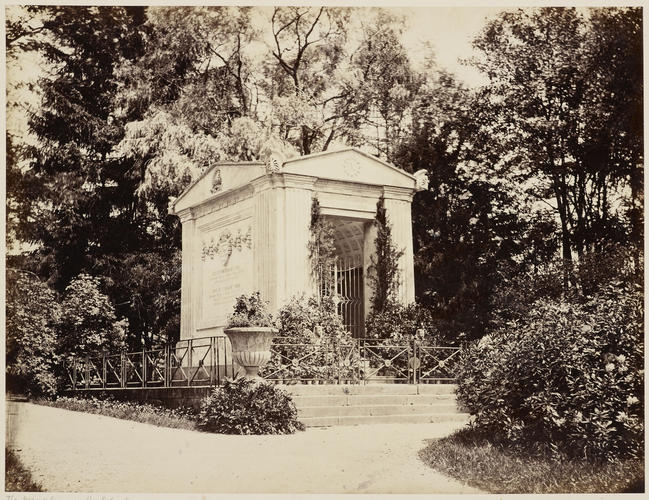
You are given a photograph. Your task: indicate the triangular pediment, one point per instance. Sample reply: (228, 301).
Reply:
(345, 165)
(216, 180)
(350, 165)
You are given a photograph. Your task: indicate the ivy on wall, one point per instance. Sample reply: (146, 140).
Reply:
(322, 251)
(384, 272)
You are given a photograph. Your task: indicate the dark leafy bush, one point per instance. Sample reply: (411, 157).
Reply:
(245, 407)
(567, 378)
(517, 292)
(399, 323)
(250, 311)
(33, 317)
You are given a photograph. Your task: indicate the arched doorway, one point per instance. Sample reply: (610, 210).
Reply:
(345, 281)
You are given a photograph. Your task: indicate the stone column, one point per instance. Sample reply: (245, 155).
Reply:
(369, 249)
(266, 213)
(187, 294)
(397, 205)
(297, 199)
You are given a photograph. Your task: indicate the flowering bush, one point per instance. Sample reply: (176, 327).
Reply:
(245, 407)
(250, 311)
(568, 378)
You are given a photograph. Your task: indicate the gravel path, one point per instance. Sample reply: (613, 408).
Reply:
(71, 451)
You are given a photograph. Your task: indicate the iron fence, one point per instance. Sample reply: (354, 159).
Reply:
(207, 361)
(200, 362)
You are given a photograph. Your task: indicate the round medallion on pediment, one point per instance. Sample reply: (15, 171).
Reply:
(352, 167)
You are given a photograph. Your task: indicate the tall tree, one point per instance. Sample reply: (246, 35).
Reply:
(472, 223)
(79, 195)
(385, 84)
(569, 116)
(308, 45)
(76, 200)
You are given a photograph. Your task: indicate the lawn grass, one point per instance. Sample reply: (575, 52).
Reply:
(482, 465)
(127, 410)
(17, 478)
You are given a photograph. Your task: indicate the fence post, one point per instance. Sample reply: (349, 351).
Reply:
(212, 344)
(103, 369)
(190, 348)
(87, 370)
(74, 373)
(415, 368)
(218, 364)
(144, 367)
(339, 359)
(122, 369)
(167, 368)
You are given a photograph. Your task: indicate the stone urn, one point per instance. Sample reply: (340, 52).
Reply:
(251, 347)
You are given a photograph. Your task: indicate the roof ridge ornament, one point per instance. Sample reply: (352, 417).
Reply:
(421, 178)
(275, 162)
(217, 181)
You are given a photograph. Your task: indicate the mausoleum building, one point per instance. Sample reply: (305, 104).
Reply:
(245, 228)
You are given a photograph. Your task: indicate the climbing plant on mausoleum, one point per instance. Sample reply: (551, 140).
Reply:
(384, 270)
(322, 251)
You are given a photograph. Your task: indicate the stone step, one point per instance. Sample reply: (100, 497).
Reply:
(375, 410)
(375, 389)
(384, 419)
(371, 399)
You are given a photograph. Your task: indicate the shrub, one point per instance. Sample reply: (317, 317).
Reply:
(89, 323)
(567, 378)
(516, 292)
(311, 332)
(33, 316)
(399, 323)
(246, 407)
(250, 311)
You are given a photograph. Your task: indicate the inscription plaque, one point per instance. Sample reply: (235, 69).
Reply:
(226, 271)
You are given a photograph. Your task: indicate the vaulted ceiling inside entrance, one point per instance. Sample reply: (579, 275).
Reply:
(348, 238)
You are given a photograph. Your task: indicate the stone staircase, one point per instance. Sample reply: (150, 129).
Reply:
(326, 405)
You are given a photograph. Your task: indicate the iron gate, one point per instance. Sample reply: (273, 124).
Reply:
(343, 282)
(349, 290)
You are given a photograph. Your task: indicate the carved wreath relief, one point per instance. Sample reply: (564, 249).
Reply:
(226, 244)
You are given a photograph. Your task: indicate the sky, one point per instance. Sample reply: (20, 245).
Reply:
(451, 31)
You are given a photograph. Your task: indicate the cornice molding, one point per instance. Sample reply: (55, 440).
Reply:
(398, 193)
(185, 215)
(284, 180)
(222, 200)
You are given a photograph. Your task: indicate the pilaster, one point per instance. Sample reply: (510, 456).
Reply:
(400, 220)
(187, 291)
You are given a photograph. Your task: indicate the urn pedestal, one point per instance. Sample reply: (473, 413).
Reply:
(251, 347)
